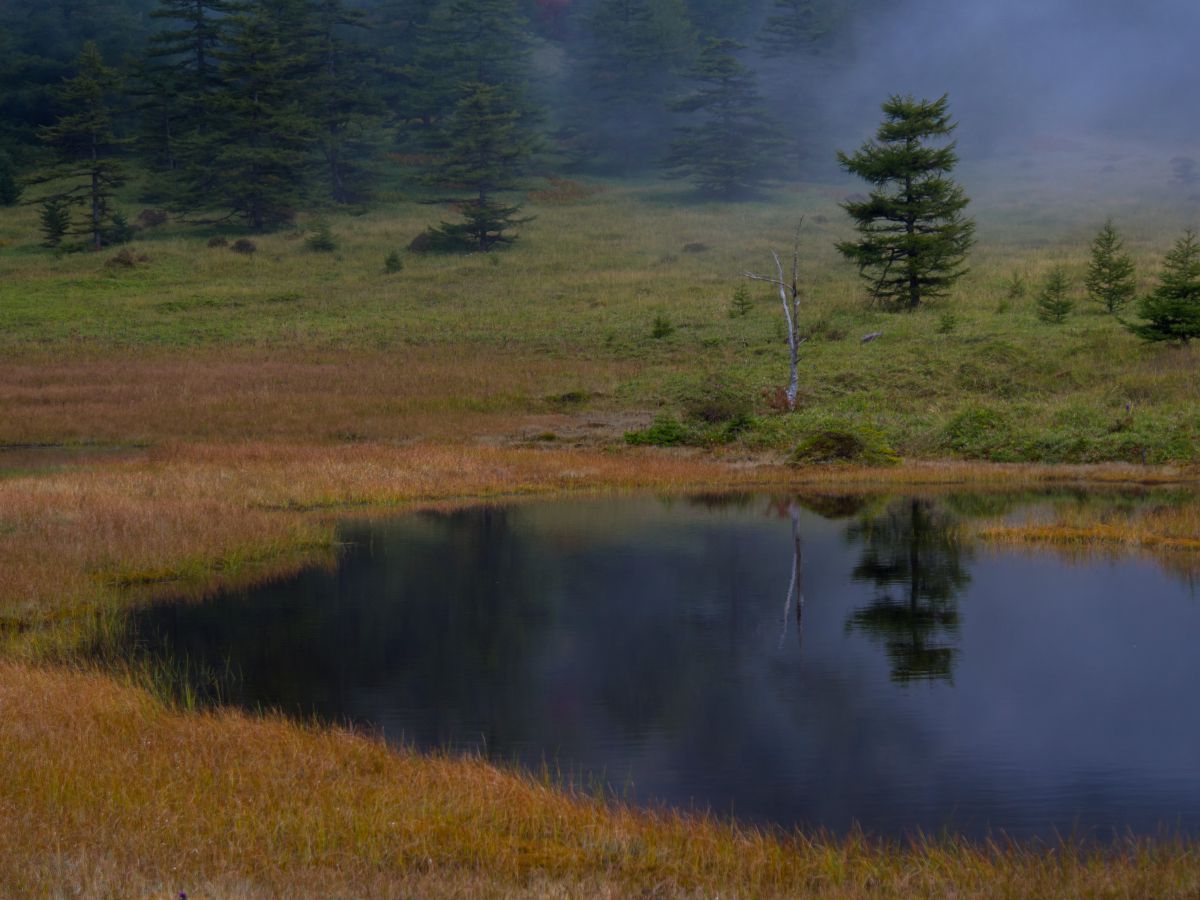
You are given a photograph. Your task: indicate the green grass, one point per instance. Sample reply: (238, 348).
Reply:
(975, 375)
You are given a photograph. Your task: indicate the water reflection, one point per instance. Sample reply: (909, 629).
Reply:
(746, 655)
(913, 557)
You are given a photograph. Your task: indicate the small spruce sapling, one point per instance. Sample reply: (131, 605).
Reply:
(741, 304)
(322, 239)
(1111, 278)
(1053, 303)
(661, 328)
(1171, 312)
(55, 220)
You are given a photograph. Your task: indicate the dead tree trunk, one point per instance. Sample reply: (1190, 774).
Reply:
(790, 296)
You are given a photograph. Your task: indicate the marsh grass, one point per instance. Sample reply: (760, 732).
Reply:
(278, 390)
(577, 298)
(111, 793)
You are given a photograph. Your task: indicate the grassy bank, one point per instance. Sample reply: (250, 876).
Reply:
(114, 791)
(111, 794)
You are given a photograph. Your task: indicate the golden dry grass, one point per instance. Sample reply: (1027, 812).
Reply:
(297, 395)
(190, 513)
(1092, 526)
(108, 793)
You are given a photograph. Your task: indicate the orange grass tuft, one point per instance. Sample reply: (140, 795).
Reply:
(1174, 527)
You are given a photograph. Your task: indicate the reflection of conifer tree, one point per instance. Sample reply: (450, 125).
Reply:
(915, 561)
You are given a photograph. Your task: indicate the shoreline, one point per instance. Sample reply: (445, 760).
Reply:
(138, 795)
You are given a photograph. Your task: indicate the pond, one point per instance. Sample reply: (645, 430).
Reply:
(822, 663)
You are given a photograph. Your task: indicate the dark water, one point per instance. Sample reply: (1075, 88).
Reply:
(753, 657)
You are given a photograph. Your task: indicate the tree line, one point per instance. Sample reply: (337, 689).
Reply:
(246, 110)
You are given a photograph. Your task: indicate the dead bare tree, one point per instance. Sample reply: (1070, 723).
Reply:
(789, 294)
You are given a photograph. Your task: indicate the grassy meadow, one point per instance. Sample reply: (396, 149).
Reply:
(200, 342)
(176, 417)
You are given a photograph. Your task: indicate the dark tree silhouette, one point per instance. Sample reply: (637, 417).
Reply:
(913, 557)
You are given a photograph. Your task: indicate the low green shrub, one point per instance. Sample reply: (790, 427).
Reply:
(842, 442)
(664, 431)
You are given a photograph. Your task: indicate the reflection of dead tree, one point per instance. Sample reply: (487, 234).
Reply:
(789, 293)
(796, 584)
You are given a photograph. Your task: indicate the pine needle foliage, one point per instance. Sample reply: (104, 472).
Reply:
(1111, 277)
(1171, 312)
(913, 237)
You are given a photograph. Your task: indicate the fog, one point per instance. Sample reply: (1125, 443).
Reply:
(1031, 74)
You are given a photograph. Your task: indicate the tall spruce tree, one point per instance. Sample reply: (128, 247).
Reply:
(340, 94)
(726, 151)
(465, 43)
(487, 150)
(1111, 277)
(86, 171)
(258, 164)
(913, 237)
(1171, 312)
(175, 81)
(632, 54)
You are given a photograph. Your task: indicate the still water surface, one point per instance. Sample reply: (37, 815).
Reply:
(855, 664)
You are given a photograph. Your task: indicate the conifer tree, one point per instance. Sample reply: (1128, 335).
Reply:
(343, 103)
(1111, 278)
(726, 153)
(795, 26)
(632, 55)
(85, 172)
(466, 43)
(913, 237)
(1171, 312)
(486, 154)
(188, 50)
(55, 218)
(175, 81)
(1053, 302)
(260, 138)
(10, 189)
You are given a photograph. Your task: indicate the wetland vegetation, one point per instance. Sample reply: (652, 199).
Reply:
(226, 393)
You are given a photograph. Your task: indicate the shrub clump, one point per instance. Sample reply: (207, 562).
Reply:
(843, 443)
(715, 400)
(123, 259)
(393, 263)
(152, 218)
(664, 431)
(433, 240)
(244, 246)
(218, 241)
(980, 432)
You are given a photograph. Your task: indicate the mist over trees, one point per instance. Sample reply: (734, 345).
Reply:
(249, 111)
